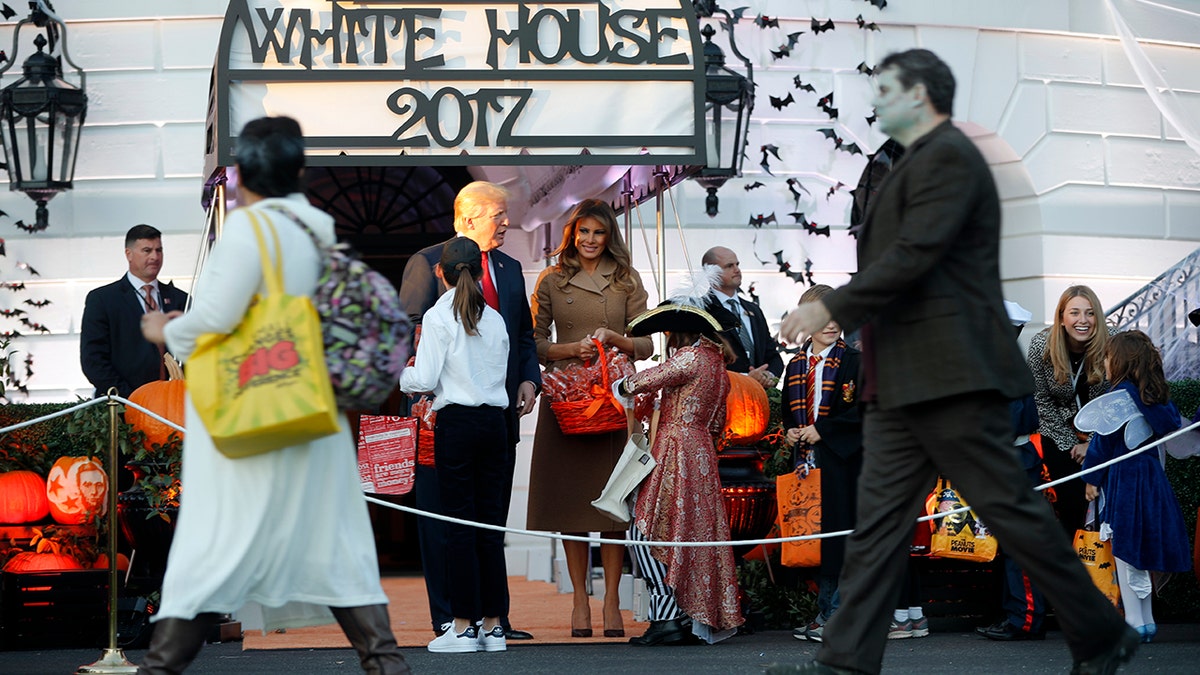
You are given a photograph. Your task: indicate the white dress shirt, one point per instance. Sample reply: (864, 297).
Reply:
(138, 284)
(741, 313)
(458, 368)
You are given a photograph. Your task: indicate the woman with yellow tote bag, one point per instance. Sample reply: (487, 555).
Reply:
(280, 538)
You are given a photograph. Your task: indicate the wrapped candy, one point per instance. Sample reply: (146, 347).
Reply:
(581, 396)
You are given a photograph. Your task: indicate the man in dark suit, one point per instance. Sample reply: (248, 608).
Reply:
(480, 213)
(757, 352)
(939, 367)
(112, 351)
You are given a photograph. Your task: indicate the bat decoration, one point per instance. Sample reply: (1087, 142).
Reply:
(810, 228)
(781, 103)
(866, 26)
(794, 186)
(29, 228)
(14, 285)
(2, 251)
(37, 303)
(7, 11)
(3, 214)
(834, 189)
(11, 334)
(803, 87)
(26, 266)
(808, 270)
(1104, 565)
(761, 219)
(735, 15)
(851, 148)
(819, 27)
(765, 163)
(865, 69)
(871, 119)
(763, 21)
(826, 106)
(786, 268)
(753, 296)
(878, 3)
(786, 50)
(753, 186)
(11, 312)
(35, 326)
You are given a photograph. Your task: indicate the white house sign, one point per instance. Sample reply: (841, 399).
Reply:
(465, 82)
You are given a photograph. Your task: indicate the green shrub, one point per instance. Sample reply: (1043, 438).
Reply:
(1179, 601)
(35, 447)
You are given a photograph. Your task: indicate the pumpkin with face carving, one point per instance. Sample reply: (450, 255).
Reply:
(77, 490)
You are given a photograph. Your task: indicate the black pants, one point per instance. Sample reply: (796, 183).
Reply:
(1024, 605)
(470, 450)
(432, 537)
(968, 439)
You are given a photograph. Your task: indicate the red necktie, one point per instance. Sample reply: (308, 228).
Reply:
(490, 296)
(151, 306)
(813, 403)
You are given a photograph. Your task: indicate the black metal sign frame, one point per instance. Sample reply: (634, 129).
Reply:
(292, 46)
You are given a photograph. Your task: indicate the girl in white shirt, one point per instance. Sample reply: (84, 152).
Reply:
(463, 360)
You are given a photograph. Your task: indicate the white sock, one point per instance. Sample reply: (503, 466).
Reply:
(915, 613)
(1129, 599)
(900, 615)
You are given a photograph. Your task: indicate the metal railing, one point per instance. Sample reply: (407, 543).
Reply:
(1160, 310)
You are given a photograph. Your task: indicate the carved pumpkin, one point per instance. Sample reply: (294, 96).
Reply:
(747, 410)
(77, 490)
(165, 398)
(22, 498)
(30, 561)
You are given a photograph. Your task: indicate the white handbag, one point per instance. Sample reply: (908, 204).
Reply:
(632, 468)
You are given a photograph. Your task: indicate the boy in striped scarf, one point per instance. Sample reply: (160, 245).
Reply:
(820, 407)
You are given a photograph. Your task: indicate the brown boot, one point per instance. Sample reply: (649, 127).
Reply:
(175, 644)
(370, 632)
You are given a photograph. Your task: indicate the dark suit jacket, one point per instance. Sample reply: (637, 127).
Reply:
(766, 349)
(928, 281)
(420, 289)
(112, 351)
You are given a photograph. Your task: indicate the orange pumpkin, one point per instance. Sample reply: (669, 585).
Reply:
(77, 490)
(165, 398)
(30, 561)
(102, 562)
(22, 498)
(747, 410)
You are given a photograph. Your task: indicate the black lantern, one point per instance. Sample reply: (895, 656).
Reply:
(41, 115)
(728, 102)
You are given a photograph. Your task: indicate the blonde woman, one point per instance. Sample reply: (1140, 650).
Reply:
(1067, 360)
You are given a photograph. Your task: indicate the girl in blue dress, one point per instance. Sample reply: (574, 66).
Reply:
(1138, 510)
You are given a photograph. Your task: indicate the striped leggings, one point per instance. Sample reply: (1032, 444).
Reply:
(662, 598)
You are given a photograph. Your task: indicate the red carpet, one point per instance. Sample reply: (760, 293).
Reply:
(536, 606)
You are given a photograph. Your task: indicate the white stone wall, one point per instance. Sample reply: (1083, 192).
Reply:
(1097, 187)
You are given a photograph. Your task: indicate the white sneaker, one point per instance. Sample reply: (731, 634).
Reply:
(492, 640)
(449, 643)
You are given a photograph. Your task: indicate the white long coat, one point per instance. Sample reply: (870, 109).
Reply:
(280, 536)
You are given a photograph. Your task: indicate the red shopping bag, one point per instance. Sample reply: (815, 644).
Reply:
(387, 447)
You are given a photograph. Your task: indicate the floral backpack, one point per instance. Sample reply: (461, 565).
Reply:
(365, 329)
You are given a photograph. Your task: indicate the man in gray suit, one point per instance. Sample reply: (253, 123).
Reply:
(938, 367)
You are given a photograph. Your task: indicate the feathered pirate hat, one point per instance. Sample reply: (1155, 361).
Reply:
(683, 311)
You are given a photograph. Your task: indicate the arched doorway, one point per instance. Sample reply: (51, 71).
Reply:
(387, 214)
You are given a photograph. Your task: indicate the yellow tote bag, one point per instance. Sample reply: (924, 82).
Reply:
(1097, 557)
(265, 385)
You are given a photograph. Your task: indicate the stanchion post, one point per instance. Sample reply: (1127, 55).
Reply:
(113, 659)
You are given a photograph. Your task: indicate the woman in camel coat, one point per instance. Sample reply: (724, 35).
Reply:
(592, 291)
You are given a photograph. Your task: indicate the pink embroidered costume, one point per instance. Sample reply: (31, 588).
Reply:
(681, 500)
